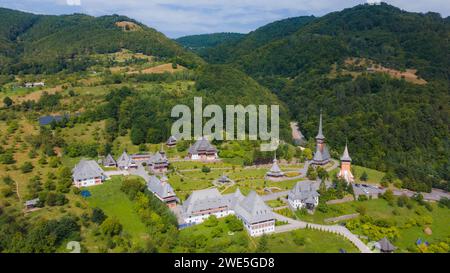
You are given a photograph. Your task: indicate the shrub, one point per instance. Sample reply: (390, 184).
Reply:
(7, 158)
(131, 187)
(361, 210)
(7, 192)
(233, 223)
(98, 216)
(403, 200)
(362, 197)
(111, 227)
(322, 207)
(27, 167)
(211, 221)
(364, 176)
(299, 240)
(8, 180)
(444, 202)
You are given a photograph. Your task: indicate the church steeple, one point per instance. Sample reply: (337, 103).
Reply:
(321, 156)
(346, 165)
(320, 133)
(345, 155)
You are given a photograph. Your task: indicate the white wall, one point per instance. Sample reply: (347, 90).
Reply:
(200, 218)
(88, 182)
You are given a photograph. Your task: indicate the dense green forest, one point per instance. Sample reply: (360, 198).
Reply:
(147, 113)
(391, 125)
(234, 49)
(47, 44)
(201, 43)
(386, 34)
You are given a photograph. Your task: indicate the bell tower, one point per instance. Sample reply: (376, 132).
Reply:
(320, 138)
(346, 164)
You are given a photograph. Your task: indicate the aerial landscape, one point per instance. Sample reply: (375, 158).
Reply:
(90, 161)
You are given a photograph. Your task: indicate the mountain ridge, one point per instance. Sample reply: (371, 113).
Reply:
(39, 43)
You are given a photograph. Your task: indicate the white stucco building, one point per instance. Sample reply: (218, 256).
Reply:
(304, 195)
(87, 173)
(256, 216)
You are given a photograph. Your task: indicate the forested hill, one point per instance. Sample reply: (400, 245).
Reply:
(202, 42)
(234, 49)
(40, 43)
(384, 33)
(392, 123)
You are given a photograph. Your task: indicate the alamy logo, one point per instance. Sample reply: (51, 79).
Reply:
(235, 123)
(74, 246)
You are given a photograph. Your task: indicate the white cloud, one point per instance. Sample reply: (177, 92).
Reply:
(74, 2)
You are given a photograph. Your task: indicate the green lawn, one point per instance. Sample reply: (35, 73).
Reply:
(192, 178)
(187, 165)
(374, 176)
(314, 242)
(275, 203)
(115, 203)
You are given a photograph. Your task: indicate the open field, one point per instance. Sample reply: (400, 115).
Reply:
(162, 68)
(84, 132)
(367, 65)
(115, 203)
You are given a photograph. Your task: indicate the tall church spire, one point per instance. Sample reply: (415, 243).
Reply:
(320, 133)
(346, 168)
(321, 156)
(345, 155)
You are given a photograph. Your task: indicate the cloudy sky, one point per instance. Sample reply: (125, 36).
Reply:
(176, 18)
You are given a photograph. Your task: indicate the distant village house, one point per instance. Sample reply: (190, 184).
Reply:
(34, 84)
